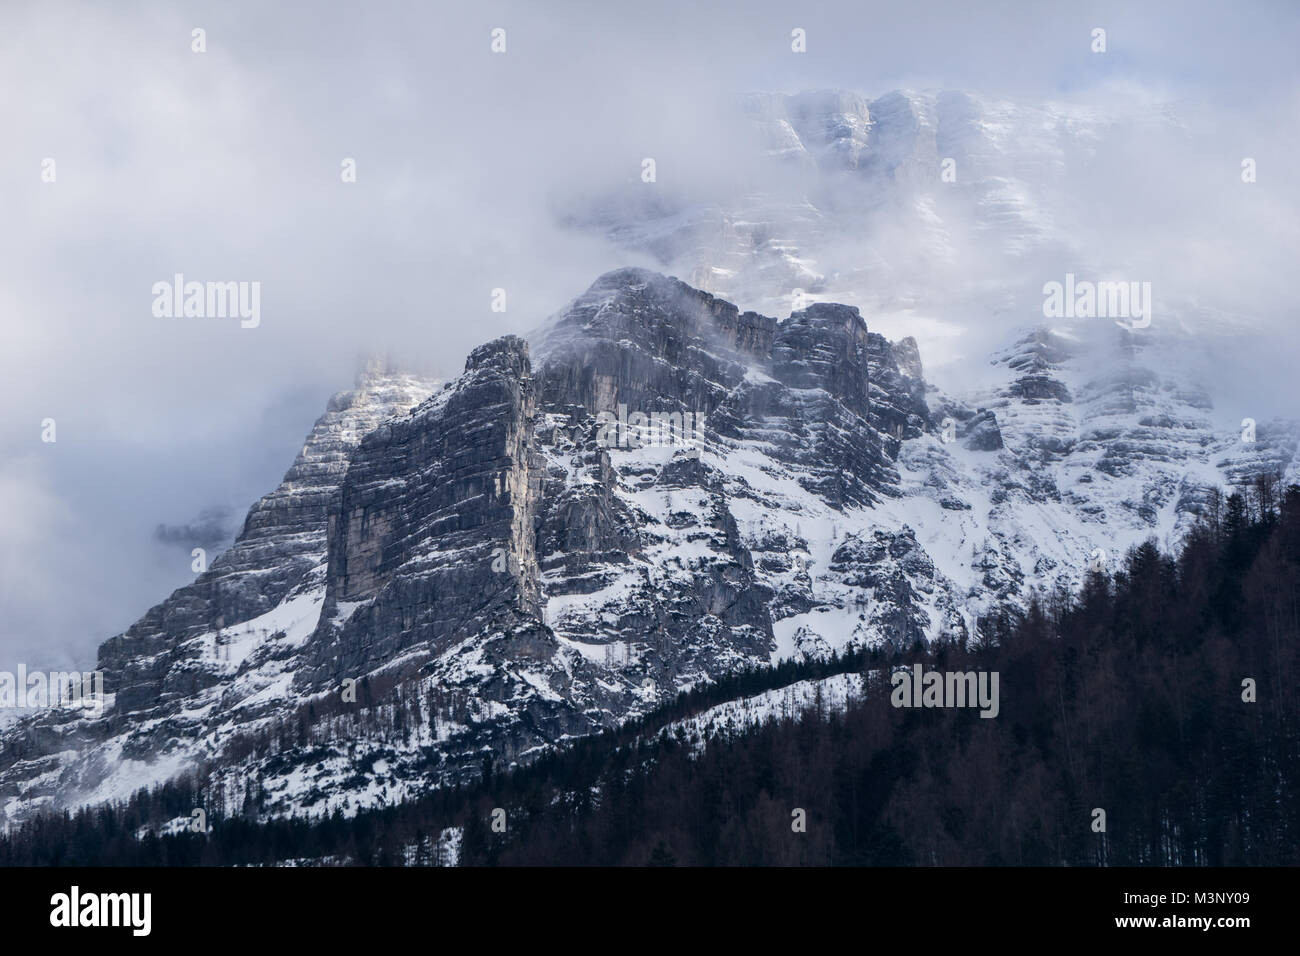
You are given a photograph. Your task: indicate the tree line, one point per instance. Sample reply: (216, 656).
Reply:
(1162, 695)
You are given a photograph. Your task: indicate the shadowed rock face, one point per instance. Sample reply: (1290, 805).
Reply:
(651, 343)
(499, 575)
(825, 346)
(648, 342)
(431, 501)
(981, 433)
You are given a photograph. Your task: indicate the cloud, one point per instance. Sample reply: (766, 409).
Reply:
(226, 165)
(42, 559)
(211, 529)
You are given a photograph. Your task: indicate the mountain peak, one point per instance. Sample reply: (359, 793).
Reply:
(668, 491)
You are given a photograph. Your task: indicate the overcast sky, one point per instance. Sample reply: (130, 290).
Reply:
(226, 165)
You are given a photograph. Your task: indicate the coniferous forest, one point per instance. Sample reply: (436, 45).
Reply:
(1164, 695)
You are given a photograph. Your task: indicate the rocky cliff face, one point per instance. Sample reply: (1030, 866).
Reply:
(214, 646)
(490, 568)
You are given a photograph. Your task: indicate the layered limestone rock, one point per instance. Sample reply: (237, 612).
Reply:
(648, 342)
(178, 671)
(433, 529)
(499, 569)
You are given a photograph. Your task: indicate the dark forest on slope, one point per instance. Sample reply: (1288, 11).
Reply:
(1127, 697)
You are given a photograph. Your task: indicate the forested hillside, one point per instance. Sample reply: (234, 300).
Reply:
(1164, 695)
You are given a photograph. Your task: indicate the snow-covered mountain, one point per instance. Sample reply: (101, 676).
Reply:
(500, 575)
(496, 564)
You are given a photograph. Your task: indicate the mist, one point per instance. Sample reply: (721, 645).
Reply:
(226, 165)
